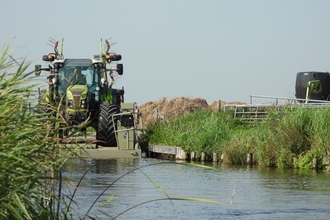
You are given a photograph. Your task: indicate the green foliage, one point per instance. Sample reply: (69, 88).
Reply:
(285, 159)
(143, 140)
(305, 161)
(29, 154)
(241, 143)
(286, 134)
(202, 131)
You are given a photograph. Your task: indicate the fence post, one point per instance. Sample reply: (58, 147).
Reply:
(315, 164)
(219, 105)
(249, 159)
(192, 156)
(203, 156)
(215, 157)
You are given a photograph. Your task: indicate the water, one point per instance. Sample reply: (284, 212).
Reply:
(245, 192)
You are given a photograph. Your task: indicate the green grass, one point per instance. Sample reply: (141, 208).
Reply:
(288, 139)
(199, 132)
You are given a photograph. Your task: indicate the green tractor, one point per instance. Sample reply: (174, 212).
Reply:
(80, 91)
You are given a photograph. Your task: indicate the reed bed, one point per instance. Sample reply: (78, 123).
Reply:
(290, 138)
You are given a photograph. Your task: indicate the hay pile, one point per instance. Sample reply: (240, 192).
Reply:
(180, 105)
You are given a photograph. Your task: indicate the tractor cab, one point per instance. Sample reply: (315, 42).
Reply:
(77, 72)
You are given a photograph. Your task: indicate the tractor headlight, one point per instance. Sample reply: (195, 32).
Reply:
(83, 96)
(70, 103)
(69, 96)
(83, 103)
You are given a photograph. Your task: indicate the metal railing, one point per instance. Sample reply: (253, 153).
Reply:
(259, 105)
(283, 100)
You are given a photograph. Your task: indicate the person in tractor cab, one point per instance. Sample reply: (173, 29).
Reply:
(78, 77)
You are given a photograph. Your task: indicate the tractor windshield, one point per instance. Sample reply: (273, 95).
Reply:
(77, 72)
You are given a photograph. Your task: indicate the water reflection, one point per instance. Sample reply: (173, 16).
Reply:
(246, 192)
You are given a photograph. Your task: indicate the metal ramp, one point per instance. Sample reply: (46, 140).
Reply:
(259, 106)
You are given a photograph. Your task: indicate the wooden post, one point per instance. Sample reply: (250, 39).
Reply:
(203, 156)
(180, 154)
(315, 164)
(215, 157)
(192, 156)
(249, 159)
(219, 105)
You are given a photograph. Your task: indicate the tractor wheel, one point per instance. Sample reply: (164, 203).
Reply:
(105, 134)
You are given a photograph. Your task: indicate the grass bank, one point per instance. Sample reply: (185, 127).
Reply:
(288, 139)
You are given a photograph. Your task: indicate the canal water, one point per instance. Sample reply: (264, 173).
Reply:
(140, 188)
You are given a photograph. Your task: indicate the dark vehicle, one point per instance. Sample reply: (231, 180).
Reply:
(313, 85)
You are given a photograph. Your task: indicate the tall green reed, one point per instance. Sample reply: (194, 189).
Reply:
(29, 153)
(201, 131)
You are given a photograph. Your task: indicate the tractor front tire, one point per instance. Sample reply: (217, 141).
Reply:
(105, 134)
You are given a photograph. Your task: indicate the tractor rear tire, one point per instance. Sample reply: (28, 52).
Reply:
(105, 134)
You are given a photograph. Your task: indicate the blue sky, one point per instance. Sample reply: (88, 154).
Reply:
(211, 49)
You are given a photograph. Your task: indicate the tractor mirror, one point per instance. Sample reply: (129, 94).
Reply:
(115, 57)
(37, 70)
(120, 68)
(48, 57)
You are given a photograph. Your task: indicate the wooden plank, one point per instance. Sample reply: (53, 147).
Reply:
(163, 149)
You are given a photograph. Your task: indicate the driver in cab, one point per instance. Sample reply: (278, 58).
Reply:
(78, 77)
